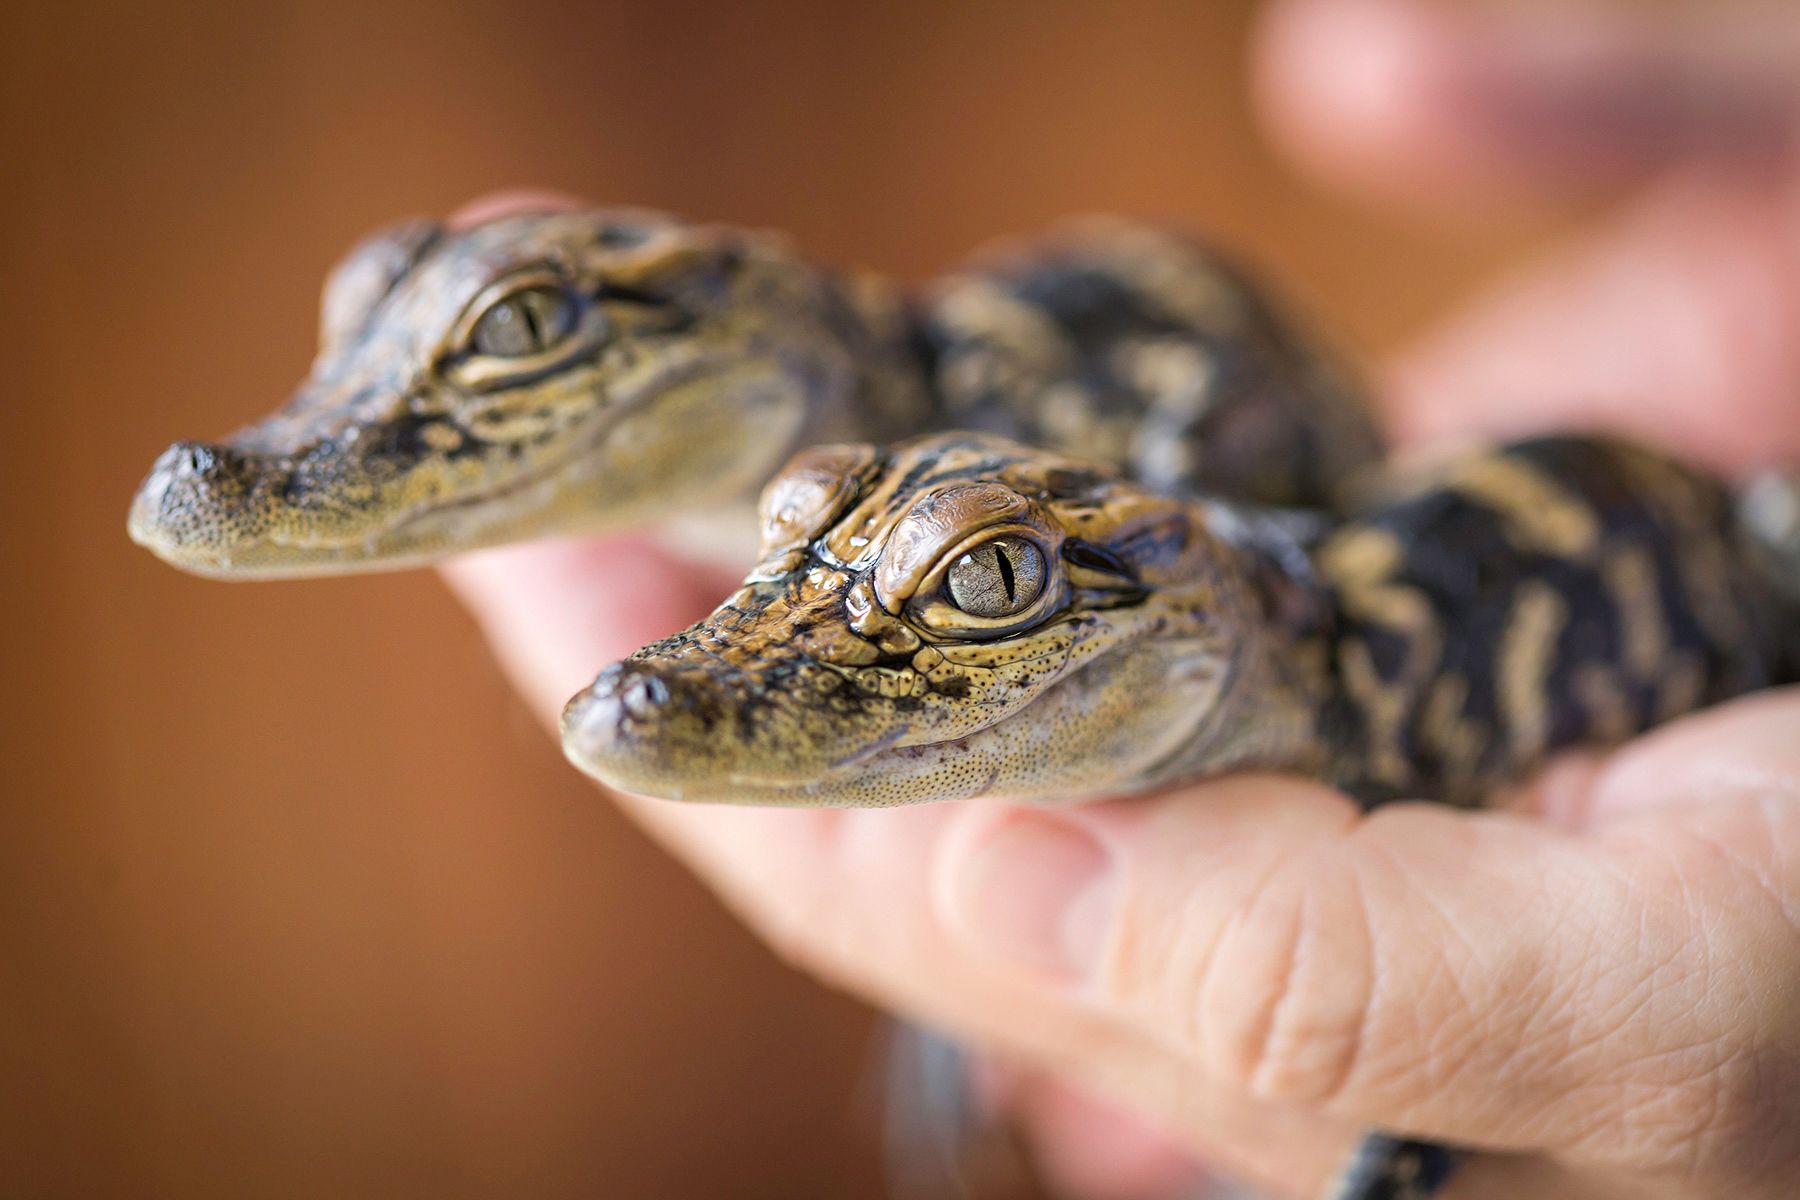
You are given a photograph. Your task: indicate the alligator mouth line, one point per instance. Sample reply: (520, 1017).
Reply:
(676, 375)
(402, 522)
(317, 553)
(542, 473)
(885, 750)
(857, 758)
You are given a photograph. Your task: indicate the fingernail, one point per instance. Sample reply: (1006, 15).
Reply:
(1037, 892)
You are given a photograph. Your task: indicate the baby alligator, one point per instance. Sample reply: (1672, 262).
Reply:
(575, 370)
(572, 370)
(963, 615)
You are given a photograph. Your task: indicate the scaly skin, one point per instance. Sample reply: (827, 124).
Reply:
(567, 371)
(1473, 617)
(843, 674)
(692, 361)
(963, 615)
(670, 366)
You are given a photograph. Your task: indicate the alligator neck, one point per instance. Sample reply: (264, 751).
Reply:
(1304, 692)
(1273, 619)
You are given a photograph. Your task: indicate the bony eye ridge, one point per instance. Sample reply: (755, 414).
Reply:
(528, 321)
(1001, 578)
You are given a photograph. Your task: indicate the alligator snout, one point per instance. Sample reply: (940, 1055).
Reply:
(192, 501)
(630, 697)
(693, 718)
(643, 720)
(198, 460)
(191, 465)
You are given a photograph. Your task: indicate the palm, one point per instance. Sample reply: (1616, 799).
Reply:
(1681, 850)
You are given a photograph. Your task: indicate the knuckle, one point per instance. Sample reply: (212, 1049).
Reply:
(1283, 1007)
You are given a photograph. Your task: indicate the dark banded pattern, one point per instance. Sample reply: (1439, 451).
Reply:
(1465, 621)
(1554, 592)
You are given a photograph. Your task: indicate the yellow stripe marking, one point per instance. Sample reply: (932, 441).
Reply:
(1540, 514)
(1630, 576)
(1527, 649)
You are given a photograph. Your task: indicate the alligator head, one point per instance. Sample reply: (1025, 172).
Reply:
(535, 373)
(959, 616)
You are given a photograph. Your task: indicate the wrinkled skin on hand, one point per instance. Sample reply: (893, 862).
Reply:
(1607, 968)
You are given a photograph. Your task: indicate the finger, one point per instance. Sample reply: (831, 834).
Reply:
(1675, 327)
(1428, 103)
(1130, 1161)
(1095, 1149)
(1471, 978)
(849, 894)
(511, 202)
(888, 904)
(1746, 750)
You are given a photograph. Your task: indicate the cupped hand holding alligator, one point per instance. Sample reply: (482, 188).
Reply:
(1596, 983)
(1601, 982)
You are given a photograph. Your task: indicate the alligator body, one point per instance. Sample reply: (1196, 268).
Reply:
(1112, 610)
(962, 616)
(574, 371)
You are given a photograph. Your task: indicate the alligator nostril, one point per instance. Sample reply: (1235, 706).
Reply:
(594, 722)
(643, 696)
(192, 459)
(630, 701)
(635, 691)
(663, 721)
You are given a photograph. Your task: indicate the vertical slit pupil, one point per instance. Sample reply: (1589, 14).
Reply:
(1004, 562)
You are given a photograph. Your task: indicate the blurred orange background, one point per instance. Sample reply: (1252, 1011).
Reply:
(296, 900)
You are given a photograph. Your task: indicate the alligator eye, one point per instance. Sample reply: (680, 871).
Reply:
(998, 578)
(528, 321)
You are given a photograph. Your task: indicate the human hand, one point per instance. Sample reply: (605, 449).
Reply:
(1602, 981)
(1608, 987)
(1674, 320)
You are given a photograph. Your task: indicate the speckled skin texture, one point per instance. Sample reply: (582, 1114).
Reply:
(696, 358)
(1470, 618)
(1458, 626)
(843, 674)
(1462, 622)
